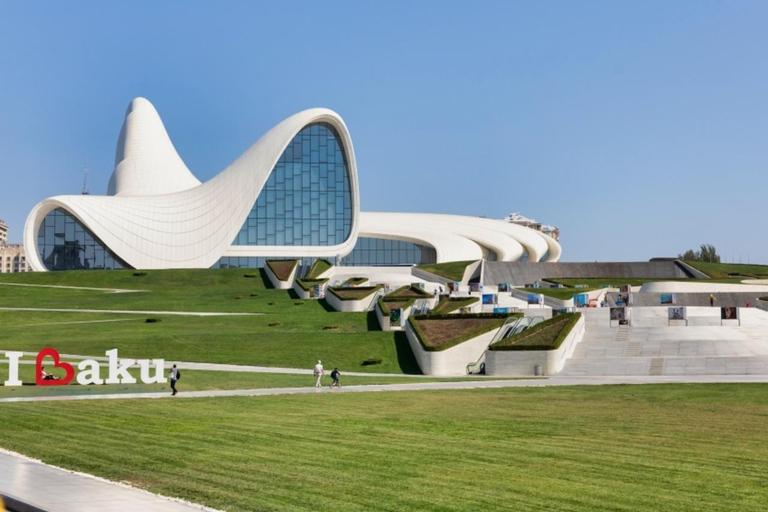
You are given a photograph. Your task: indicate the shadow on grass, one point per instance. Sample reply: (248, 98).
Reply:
(373, 322)
(327, 307)
(405, 358)
(265, 280)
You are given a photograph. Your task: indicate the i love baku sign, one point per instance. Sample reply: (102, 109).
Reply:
(88, 370)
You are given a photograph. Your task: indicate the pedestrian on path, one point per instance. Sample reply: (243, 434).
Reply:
(711, 300)
(335, 374)
(175, 375)
(319, 372)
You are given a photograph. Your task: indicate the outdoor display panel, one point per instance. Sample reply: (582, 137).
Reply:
(535, 298)
(729, 313)
(619, 314)
(581, 299)
(396, 317)
(677, 313)
(503, 287)
(490, 298)
(669, 298)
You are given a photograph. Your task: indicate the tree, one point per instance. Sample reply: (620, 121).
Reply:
(706, 252)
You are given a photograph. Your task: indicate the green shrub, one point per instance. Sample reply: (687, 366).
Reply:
(548, 335)
(410, 291)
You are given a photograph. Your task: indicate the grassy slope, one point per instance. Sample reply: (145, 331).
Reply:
(453, 271)
(558, 293)
(723, 270)
(298, 342)
(622, 448)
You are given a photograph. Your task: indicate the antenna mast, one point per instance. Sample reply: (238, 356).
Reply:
(85, 182)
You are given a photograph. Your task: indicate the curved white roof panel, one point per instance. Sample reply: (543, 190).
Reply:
(158, 215)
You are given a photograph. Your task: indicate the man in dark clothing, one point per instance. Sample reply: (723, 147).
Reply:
(175, 376)
(335, 376)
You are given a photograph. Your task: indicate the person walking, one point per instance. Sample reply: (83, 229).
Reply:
(319, 372)
(175, 375)
(711, 300)
(335, 374)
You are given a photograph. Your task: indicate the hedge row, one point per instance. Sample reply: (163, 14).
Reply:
(458, 302)
(306, 284)
(357, 293)
(356, 280)
(561, 327)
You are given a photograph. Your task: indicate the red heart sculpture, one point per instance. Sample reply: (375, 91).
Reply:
(52, 352)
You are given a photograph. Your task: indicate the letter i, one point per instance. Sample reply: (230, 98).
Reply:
(13, 368)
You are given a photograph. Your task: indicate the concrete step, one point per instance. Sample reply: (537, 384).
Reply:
(606, 366)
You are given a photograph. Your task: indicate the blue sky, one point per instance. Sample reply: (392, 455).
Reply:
(638, 128)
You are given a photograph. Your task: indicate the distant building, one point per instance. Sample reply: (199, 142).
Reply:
(12, 257)
(521, 220)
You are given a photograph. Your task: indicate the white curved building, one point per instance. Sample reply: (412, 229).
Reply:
(293, 194)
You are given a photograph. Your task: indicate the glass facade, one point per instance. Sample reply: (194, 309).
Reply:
(65, 244)
(384, 252)
(307, 198)
(252, 262)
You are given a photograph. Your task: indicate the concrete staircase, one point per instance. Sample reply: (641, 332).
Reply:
(652, 347)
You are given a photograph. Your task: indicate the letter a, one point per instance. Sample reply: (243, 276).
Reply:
(89, 373)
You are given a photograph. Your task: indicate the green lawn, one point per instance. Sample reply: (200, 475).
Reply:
(620, 448)
(298, 341)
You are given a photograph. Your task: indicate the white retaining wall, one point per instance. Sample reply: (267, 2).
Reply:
(452, 361)
(349, 306)
(280, 285)
(520, 363)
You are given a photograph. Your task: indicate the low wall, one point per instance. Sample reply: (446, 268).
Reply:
(349, 306)
(452, 361)
(520, 363)
(278, 284)
(384, 319)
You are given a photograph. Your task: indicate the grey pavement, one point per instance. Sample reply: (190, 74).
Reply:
(58, 490)
(132, 312)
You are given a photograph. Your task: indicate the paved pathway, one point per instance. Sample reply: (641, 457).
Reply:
(416, 386)
(131, 312)
(106, 290)
(58, 490)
